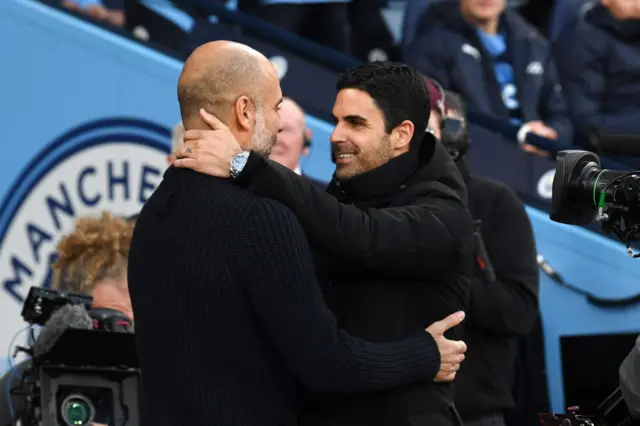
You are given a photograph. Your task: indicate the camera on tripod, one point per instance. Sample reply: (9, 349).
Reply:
(583, 192)
(80, 373)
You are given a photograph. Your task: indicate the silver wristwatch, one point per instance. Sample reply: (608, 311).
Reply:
(238, 162)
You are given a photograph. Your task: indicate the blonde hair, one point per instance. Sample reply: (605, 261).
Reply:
(97, 249)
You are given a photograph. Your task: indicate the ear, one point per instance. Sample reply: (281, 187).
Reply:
(308, 134)
(401, 135)
(244, 112)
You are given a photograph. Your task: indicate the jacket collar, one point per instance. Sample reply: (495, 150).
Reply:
(387, 179)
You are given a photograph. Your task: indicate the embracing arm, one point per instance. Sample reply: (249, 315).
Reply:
(278, 274)
(399, 238)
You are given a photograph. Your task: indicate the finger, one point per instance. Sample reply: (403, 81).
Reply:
(446, 377)
(453, 359)
(212, 120)
(186, 152)
(443, 325)
(451, 347)
(449, 368)
(186, 163)
(193, 134)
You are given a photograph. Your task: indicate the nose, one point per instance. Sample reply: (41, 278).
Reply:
(337, 135)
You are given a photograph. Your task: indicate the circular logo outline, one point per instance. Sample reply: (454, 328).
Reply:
(116, 130)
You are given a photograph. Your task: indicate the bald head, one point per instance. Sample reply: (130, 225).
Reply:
(290, 146)
(291, 109)
(216, 75)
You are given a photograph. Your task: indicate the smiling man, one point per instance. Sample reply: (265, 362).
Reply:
(393, 230)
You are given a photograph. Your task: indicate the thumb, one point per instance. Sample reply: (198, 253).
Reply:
(212, 120)
(439, 327)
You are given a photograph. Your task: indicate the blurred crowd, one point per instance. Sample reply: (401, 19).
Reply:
(584, 75)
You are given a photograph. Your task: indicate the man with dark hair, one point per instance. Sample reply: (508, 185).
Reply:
(504, 290)
(393, 232)
(236, 269)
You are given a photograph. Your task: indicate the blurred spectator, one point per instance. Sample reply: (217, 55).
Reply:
(504, 290)
(599, 64)
(498, 62)
(93, 260)
(177, 140)
(294, 139)
(108, 11)
(322, 21)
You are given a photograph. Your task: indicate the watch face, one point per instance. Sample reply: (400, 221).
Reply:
(238, 162)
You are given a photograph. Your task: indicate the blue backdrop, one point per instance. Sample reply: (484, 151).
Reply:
(85, 126)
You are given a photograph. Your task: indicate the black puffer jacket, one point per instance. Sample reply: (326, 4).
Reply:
(395, 248)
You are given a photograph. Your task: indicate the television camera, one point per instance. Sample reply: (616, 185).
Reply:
(82, 370)
(583, 192)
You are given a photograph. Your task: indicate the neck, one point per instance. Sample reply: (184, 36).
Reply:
(112, 294)
(489, 26)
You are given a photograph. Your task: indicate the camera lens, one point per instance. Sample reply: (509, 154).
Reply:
(77, 410)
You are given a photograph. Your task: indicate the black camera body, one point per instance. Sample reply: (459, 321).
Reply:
(89, 376)
(83, 368)
(584, 192)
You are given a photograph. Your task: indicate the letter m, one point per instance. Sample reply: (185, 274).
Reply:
(19, 271)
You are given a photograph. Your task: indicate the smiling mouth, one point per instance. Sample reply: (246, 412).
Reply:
(344, 156)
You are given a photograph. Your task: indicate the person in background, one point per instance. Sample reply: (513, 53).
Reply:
(177, 141)
(393, 234)
(92, 260)
(599, 64)
(496, 61)
(107, 11)
(504, 289)
(294, 139)
(322, 21)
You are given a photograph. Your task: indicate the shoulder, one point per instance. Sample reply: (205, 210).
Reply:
(500, 196)
(523, 31)
(268, 213)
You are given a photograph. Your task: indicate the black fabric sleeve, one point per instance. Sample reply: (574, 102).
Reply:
(630, 380)
(280, 281)
(509, 305)
(399, 238)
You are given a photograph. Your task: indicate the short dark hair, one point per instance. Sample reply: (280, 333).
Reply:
(397, 89)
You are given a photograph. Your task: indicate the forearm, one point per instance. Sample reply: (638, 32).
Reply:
(503, 308)
(359, 366)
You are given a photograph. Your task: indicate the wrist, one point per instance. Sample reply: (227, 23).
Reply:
(254, 164)
(237, 163)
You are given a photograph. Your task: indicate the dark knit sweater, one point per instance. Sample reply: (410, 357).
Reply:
(229, 318)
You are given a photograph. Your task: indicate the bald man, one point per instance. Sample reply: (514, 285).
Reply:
(229, 317)
(294, 139)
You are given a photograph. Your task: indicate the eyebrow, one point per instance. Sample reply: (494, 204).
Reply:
(351, 118)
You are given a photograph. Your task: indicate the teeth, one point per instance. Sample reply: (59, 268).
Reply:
(345, 156)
